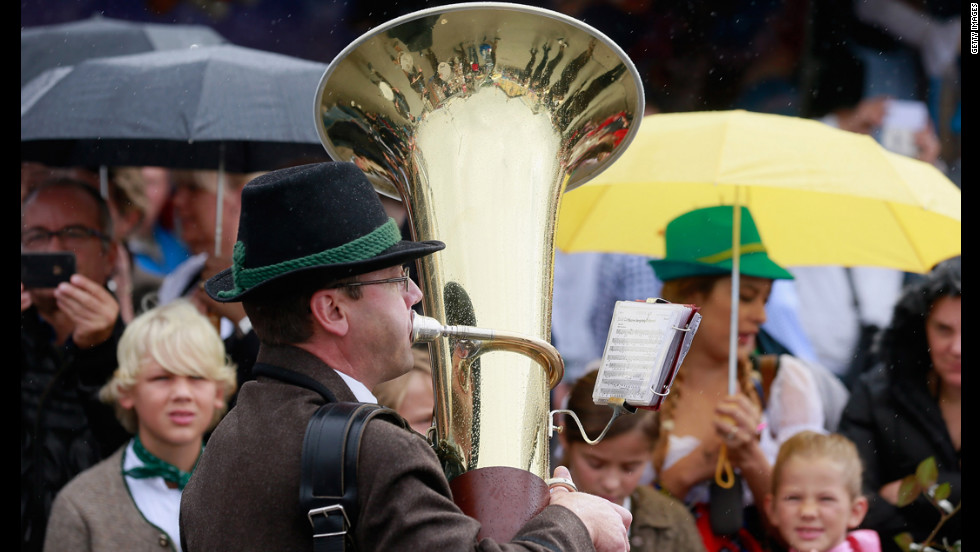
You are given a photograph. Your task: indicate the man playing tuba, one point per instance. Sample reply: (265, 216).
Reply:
(319, 270)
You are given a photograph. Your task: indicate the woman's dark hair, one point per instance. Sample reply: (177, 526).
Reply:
(902, 346)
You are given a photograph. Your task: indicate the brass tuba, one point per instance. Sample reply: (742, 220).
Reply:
(478, 117)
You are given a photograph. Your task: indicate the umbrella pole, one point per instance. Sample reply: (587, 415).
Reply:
(736, 272)
(724, 474)
(219, 201)
(104, 181)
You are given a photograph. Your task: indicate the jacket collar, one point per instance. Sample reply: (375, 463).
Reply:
(308, 364)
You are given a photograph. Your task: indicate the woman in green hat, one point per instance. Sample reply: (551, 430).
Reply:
(706, 430)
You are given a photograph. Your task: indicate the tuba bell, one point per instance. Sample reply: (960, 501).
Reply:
(478, 117)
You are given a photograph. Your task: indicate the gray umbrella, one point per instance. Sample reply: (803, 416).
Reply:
(225, 108)
(196, 108)
(65, 44)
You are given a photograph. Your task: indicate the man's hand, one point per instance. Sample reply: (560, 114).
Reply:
(928, 145)
(607, 522)
(889, 492)
(91, 308)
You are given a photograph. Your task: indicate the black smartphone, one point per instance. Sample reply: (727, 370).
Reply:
(46, 270)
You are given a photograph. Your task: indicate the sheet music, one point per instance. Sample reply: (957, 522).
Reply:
(642, 345)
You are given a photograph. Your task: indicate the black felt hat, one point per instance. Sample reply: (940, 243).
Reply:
(323, 217)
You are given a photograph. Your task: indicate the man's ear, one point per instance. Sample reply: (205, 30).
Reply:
(859, 508)
(329, 309)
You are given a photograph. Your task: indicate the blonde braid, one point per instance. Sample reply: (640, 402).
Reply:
(667, 421)
(746, 382)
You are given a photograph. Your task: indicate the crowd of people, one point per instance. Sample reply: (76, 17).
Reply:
(166, 385)
(83, 449)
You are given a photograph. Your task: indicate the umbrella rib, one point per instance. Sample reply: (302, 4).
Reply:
(905, 234)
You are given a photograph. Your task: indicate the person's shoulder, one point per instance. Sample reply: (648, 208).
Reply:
(796, 370)
(875, 381)
(670, 509)
(383, 440)
(864, 540)
(822, 377)
(791, 362)
(390, 426)
(175, 281)
(99, 480)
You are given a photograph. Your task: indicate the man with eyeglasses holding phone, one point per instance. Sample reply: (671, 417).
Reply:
(68, 347)
(320, 270)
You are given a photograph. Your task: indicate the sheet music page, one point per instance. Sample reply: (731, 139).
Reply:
(641, 336)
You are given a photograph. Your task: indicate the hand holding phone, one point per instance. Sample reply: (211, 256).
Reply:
(903, 119)
(46, 270)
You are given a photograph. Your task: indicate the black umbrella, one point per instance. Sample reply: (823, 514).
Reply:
(65, 44)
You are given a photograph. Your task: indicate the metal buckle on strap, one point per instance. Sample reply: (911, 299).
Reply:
(326, 511)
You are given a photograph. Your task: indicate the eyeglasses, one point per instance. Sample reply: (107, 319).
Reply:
(404, 278)
(72, 236)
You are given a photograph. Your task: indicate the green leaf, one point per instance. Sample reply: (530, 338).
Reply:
(908, 491)
(942, 491)
(904, 541)
(927, 474)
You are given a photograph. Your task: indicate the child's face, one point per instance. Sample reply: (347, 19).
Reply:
(612, 468)
(418, 403)
(812, 508)
(172, 410)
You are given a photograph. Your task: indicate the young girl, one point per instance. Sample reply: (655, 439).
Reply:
(613, 467)
(816, 495)
(170, 389)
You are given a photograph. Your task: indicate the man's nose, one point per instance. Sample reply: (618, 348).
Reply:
(55, 243)
(414, 293)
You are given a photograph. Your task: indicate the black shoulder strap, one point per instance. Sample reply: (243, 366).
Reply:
(328, 488)
(328, 484)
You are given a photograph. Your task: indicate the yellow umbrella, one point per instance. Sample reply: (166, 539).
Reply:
(819, 195)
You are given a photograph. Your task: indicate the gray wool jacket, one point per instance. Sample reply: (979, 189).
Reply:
(95, 512)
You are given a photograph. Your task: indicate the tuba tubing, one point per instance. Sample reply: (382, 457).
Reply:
(476, 341)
